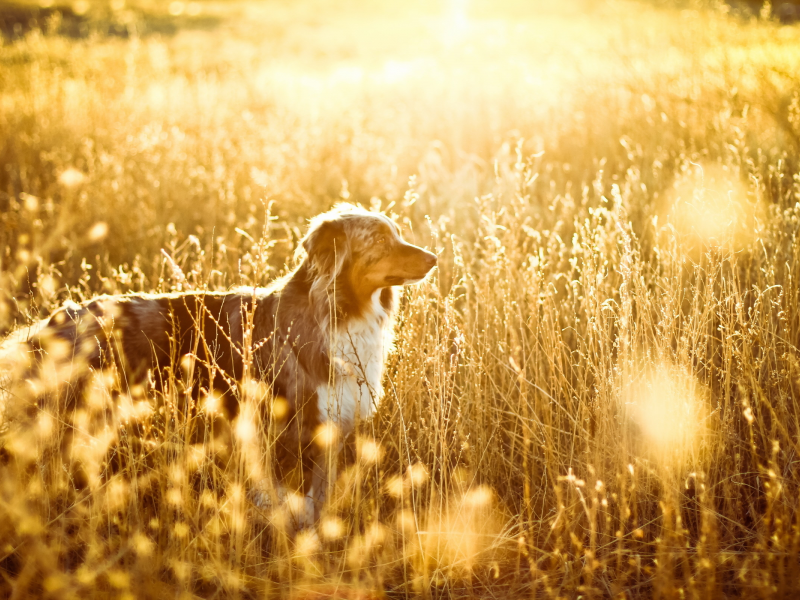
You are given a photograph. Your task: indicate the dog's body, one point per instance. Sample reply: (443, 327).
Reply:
(317, 338)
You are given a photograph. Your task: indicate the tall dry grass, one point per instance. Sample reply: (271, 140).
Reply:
(595, 396)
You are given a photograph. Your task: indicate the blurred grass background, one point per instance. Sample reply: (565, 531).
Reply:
(302, 103)
(595, 397)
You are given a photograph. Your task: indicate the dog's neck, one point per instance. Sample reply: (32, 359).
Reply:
(338, 303)
(357, 351)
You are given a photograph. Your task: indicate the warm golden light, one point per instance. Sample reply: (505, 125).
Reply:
(710, 206)
(331, 528)
(306, 544)
(464, 534)
(417, 475)
(280, 407)
(456, 21)
(295, 504)
(327, 435)
(212, 403)
(255, 390)
(369, 451)
(612, 193)
(667, 405)
(98, 232)
(245, 428)
(71, 177)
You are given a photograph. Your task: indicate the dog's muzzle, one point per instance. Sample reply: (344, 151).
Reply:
(413, 264)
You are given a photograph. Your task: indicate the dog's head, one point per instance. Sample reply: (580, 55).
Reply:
(366, 247)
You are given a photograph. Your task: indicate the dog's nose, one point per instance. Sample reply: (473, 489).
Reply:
(432, 259)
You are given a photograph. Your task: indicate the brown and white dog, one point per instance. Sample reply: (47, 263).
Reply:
(316, 338)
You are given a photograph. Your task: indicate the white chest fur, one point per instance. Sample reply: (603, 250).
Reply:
(358, 353)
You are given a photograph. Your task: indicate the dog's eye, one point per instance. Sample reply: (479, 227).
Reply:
(381, 239)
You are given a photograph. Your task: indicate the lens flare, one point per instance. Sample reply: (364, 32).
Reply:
(306, 544)
(97, 232)
(212, 403)
(465, 532)
(245, 428)
(369, 451)
(327, 435)
(71, 177)
(711, 207)
(417, 475)
(331, 528)
(667, 404)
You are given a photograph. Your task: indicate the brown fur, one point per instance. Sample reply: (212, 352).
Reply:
(349, 258)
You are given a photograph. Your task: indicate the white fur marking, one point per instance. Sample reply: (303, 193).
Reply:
(357, 358)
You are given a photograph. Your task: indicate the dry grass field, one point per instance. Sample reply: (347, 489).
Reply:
(597, 393)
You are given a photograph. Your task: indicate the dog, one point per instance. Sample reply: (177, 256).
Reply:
(316, 339)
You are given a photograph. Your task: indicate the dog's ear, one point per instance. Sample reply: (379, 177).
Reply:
(326, 246)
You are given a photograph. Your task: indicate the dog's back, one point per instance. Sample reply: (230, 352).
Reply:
(140, 337)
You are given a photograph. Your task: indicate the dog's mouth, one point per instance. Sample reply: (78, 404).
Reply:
(395, 280)
(405, 280)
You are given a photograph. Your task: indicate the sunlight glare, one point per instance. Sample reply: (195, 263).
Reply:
(369, 451)
(397, 70)
(332, 528)
(711, 207)
(71, 177)
(245, 428)
(666, 403)
(456, 22)
(327, 435)
(466, 533)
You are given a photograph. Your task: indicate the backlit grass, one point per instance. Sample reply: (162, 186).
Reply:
(595, 396)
